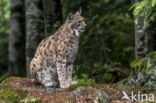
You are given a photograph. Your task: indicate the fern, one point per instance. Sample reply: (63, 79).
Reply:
(138, 65)
(144, 8)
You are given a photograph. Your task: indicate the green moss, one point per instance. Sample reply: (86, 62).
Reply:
(67, 102)
(122, 86)
(5, 76)
(147, 102)
(9, 79)
(10, 94)
(30, 100)
(153, 53)
(81, 84)
(72, 87)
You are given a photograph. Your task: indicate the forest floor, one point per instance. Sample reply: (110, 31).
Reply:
(114, 92)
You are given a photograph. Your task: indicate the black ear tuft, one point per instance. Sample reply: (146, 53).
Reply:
(70, 17)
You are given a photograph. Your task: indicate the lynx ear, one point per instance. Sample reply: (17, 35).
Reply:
(79, 12)
(70, 17)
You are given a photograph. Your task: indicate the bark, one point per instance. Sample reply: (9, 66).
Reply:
(17, 38)
(141, 47)
(52, 15)
(34, 28)
(144, 38)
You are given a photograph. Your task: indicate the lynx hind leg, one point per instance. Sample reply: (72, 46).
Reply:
(32, 72)
(47, 78)
(35, 65)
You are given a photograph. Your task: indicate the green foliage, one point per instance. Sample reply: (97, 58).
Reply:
(147, 102)
(8, 95)
(138, 65)
(151, 84)
(106, 78)
(4, 32)
(67, 102)
(145, 8)
(5, 76)
(84, 81)
(153, 53)
(11, 95)
(30, 100)
(146, 66)
(4, 16)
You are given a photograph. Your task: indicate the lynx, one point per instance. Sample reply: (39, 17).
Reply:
(52, 64)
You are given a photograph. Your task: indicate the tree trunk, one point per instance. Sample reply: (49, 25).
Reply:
(141, 47)
(17, 38)
(34, 28)
(144, 42)
(140, 37)
(52, 15)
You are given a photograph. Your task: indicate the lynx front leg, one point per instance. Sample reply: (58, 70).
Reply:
(69, 71)
(62, 74)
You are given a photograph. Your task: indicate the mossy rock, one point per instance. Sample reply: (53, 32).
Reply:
(144, 71)
(8, 79)
(11, 94)
(99, 95)
(121, 85)
(144, 64)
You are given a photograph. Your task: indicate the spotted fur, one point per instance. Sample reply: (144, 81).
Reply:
(52, 64)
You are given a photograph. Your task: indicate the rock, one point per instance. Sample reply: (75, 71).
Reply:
(138, 80)
(50, 90)
(100, 96)
(151, 61)
(78, 91)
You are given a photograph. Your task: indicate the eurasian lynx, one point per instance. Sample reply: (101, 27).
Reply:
(53, 62)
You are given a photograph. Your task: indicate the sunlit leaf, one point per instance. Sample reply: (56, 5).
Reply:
(153, 3)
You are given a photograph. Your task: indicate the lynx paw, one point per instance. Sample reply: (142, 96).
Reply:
(73, 82)
(64, 84)
(33, 80)
(48, 84)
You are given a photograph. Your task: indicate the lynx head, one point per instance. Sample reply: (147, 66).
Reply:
(76, 23)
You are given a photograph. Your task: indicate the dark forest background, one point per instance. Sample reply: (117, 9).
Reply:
(111, 41)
